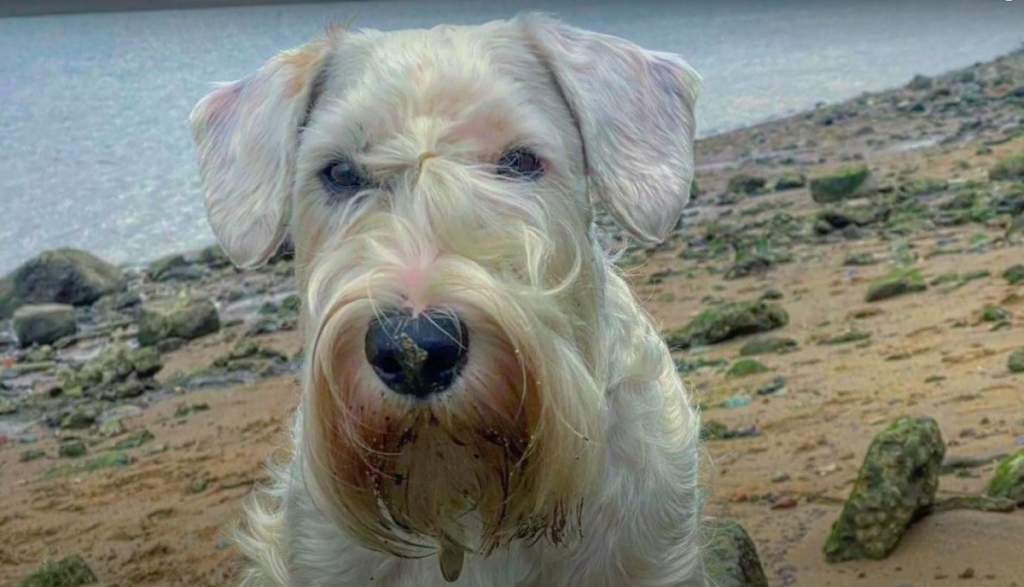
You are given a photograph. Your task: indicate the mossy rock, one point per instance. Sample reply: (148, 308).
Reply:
(731, 558)
(1014, 275)
(995, 313)
(1010, 168)
(790, 181)
(134, 440)
(846, 337)
(895, 488)
(1008, 480)
(765, 345)
(72, 449)
(744, 183)
(745, 367)
(842, 184)
(728, 321)
(43, 324)
(70, 571)
(114, 365)
(187, 319)
(164, 266)
(106, 461)
(897, 282)
(60, 276)
(1015, 362)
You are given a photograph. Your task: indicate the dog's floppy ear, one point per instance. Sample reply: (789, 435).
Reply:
(246, 133)
(635, 111)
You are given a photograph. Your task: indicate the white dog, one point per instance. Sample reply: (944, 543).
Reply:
(484, 401)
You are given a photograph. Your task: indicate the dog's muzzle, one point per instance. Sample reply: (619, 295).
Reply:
(420, 355)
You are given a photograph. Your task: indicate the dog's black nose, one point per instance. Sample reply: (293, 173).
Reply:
(417, 356)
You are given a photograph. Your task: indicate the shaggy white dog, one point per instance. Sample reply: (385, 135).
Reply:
(484, 402)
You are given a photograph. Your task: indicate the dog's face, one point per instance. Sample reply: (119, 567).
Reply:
(437, 187)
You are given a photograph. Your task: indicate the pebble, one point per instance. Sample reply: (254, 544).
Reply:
(784, 503)
(781, 477)
(737, 401)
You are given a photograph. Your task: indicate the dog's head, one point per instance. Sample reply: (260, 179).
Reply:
(437, 186)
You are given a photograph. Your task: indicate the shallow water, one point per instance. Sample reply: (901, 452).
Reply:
(94, 146)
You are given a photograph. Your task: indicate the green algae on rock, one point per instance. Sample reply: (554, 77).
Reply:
(1008, 168)
(1015, 362)
(728, 321)
(1008, 479)
(731, 558)
(895, 488)
(842, 184)
(895, 283)
(70, 571)
(185, 318)
(764, 345)
(745, 367)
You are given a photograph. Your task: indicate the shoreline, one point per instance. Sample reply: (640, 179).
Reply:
(901, 293)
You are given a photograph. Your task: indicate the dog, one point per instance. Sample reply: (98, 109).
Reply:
(484, 402)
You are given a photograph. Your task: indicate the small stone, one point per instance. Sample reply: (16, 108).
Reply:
(897, 282)
(768, 344)
(134, 440)
(780, 477)
(72, 449)
(70, 571)
(1008, 479)
(784, 503)
(43, 324)
(1015, 362)
(842, 184)
(111, 428)
(198, 486)
(967, 574)
(31, 455)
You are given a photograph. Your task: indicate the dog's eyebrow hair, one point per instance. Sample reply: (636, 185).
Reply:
(316, 90)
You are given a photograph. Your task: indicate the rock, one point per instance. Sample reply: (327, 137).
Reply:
(780, 477)
(113, 372)
(895, 283)
(43, 323)
(745, 367)
(728, 321)
(79, 418)
(895, 488)
(772, 386)
(111, 428)
(751, 266)
(846, 216)
(72, 449)
(920, 83)
(731, 558)
(187, 318)
(765, 345)
(746, 184)
(1010, 168)
(842, 184)
(1015, 362)
(61, 276)
(118, 302)
(31, 454)
(213, 257)
(134, 440)
(995, 313)
(846, 337)
(790, 181)
(1008, 480)
(1014, 274)
(159, 269)
(980, 503)
(70, 571)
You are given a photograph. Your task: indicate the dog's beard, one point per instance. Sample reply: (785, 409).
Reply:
(506, 453)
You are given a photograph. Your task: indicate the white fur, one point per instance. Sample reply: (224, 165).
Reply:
(566, 455)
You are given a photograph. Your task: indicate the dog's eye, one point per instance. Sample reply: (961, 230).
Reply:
(342, 177)
(520, 163)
